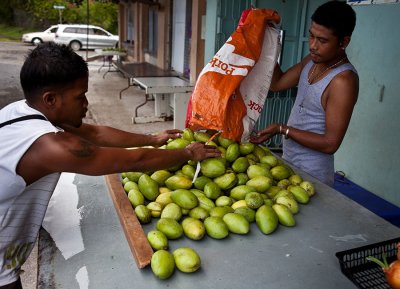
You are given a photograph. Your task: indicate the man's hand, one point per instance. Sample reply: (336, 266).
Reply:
(163, 137)
(265, 134)
(199, 151)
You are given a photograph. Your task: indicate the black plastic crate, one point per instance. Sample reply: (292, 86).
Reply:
(364, 273)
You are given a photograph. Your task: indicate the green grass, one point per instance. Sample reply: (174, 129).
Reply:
(9, 33)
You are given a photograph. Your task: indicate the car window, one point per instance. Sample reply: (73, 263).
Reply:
(70, 30)
(99, 32)
(53, 30)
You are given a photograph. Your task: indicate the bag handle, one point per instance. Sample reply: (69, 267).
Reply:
(23, 118)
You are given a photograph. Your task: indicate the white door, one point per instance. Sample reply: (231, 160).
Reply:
(178, 35)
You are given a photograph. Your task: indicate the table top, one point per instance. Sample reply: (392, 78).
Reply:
(142, 69)
(171, 84)
(299, 257)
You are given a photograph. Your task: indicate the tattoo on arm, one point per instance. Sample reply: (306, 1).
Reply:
(85, 150)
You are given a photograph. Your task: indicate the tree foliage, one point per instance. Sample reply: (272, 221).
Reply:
(101, 13)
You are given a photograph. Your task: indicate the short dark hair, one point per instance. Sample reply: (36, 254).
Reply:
(337, 16)
(50, 65)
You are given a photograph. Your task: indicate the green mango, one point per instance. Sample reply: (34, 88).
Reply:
(236, 223)
(246, 212)
(242, 179)
(143, 214)
(162, 264)
(266, 219)
(295, 180)
(212, 190)
(148, 187)
(197, 192)
(172, 211)
(283, 184)
(240, 165)
(155, 209)
(135, 197)
(271, 160)
(246, 148)
(260, 183)
(309, 187)
(239, 192)
(188, 134)
(184, 199)
(199, 213)
(258, 170)
(178, 182)
(254, 200)
(285, 216)
(164, 198)
(133, 176)
(223, 201)
(201, 136)
(170, 227)
(205, 203)
(193, 228)
(232, 152)
(300, 194)
(289, 202)
(188, 171)
(212, 167)
(225, 142)
(216, 228)
(259, 152)
(201, 181)
(220, 211)
(178, 143)
(187, 260)
(130, 185)
(157, 240)
(226, 181)
(280, 172)
(161, 176)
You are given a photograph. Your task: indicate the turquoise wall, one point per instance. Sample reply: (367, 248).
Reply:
(370, 155)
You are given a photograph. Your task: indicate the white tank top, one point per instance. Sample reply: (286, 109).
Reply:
(22, 208)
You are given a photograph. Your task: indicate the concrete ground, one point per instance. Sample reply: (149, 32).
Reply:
(106, 108)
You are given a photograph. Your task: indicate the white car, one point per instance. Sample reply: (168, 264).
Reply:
(77, 35)
(39, 37)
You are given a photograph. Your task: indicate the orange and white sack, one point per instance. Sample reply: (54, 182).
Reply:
(217, 102)
(255, 86)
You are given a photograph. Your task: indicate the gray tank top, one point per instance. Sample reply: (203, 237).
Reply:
(308, 114)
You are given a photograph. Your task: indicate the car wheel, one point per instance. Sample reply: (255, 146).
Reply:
(75, 45)
(36, 41)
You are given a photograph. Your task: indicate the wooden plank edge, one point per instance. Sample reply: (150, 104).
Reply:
(134, 233)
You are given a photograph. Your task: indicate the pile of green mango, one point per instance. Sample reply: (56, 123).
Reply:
(248, 183)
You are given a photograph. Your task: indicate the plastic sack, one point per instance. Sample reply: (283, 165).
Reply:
(217, 102)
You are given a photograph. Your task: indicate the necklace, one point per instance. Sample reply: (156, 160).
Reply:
(311, 79)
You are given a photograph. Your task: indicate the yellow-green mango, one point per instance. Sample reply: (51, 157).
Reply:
(164, 198)
(295, 179)
(226, 181)
(224, 142)
(246, 148)
(291, 203)
(220, 211)
(285, 216)
(212, 167)
(254, 200)
(258, 170)
(206, 203)
(201, 136)
(271, 160)
(216, 228)
(239, 192)
(280, 172)
(259, 152)
(246, 212)
(184, 199)
(300, 194)
(188, 171)
(201, 181)
(197, 192)
(148, 187)
(172, 211)
(170, 227)
(266, 219)
(133, 176)
(162, 264)
(161, 176)
(212, 190)
(236, 223)
(240, 165)
(157, 240)
(309, 187)
(178, 143)
(155, 209)
(242, 179)
(232, 152)
(223, 201)
(199, 213)
(178, 182)
(193, 228)
(260, 183)
(187, 260)
(188, 134)
(135, 197)
(130, 185)
(143, 214)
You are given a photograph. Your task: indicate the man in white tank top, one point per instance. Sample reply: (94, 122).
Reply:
(327, 92)
(44, 135)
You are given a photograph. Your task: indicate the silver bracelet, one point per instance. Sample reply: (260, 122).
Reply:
(287, 133)
(280, 129)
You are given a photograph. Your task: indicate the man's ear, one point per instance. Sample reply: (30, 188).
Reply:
(345, 42)
(49, 98)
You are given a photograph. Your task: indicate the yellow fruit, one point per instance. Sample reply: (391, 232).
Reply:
(184, 199)
(172, 211)
(236, 223)
(285, 216)
(135, 197)
(216, 228)
(254, 200)
(162, 264)
(148, 187)
(267, 219)
(238, 204)
(157, 240)
(178, 182)
(170, 227)
(187, 260)
(193, 228)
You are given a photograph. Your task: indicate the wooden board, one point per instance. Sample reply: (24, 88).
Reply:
(133, 230)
